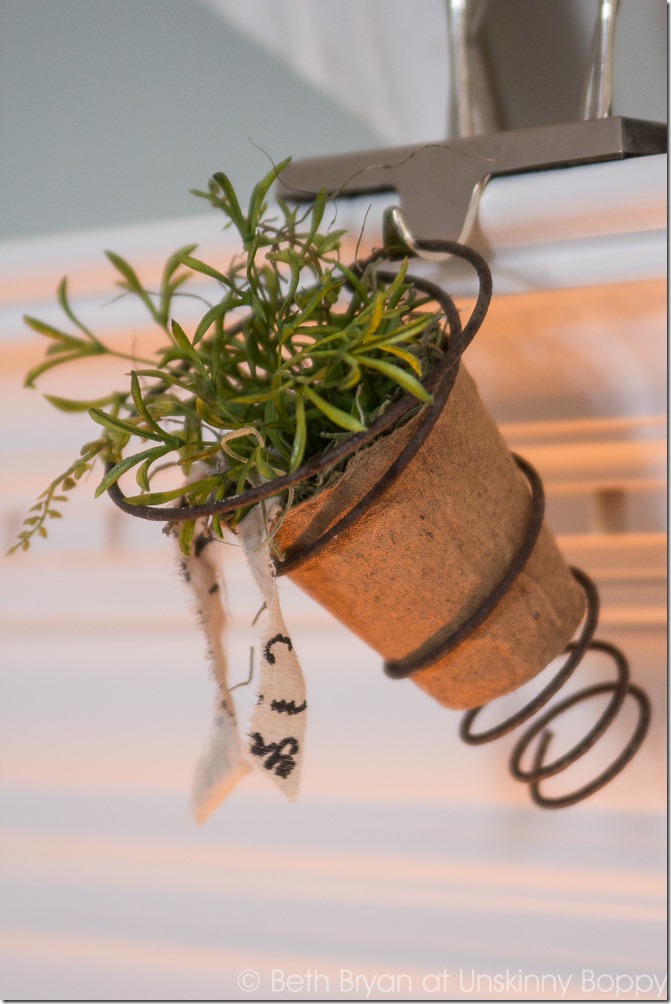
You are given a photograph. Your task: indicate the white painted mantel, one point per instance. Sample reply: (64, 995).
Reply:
(408, 853)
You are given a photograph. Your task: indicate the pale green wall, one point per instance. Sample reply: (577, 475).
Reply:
(111, 110)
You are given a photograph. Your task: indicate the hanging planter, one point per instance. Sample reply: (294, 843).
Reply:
(321, 412)
(415, 574)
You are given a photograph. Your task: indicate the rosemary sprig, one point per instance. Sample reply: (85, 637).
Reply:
(299, 350)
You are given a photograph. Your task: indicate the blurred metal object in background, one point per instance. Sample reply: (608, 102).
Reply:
(440, 184)
(598, 98)
(473, 107)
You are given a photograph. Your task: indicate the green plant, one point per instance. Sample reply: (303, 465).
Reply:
(299, 350)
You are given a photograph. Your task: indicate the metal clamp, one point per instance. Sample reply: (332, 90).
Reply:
(439, 184)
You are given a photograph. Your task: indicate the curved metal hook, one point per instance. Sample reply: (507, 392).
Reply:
(399, 241)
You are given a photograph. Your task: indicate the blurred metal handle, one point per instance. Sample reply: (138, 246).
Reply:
(598, 97)
(472, 109)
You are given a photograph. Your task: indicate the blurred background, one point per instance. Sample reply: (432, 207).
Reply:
(409, 858)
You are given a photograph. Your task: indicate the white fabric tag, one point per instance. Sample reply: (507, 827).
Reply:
(222, 763)
(277, 729)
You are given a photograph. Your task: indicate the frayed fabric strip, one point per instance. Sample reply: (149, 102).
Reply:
(277, 729)
(220, 767)
(222, 763)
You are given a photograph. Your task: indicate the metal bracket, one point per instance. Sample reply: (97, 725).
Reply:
(439, 184)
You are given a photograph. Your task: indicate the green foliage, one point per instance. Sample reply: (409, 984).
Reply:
(298, 350)
(48, 503)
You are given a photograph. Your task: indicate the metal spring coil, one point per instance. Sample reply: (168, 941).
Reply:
(439, 383)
